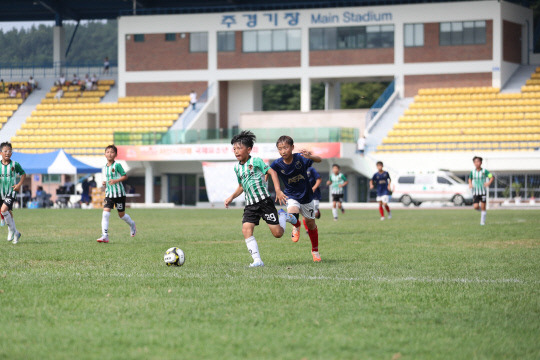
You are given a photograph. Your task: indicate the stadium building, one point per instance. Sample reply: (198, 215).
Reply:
(462, 81)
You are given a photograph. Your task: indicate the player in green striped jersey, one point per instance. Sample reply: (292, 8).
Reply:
(479, 182)
(251, 172)
(9, 188)
(115, 194)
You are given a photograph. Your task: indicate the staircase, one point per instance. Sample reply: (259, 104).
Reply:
(518, 79)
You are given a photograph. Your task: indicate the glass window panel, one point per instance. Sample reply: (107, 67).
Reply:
(264, 40)
(480, 32)
(468, 32)
(249, 41)
(446, 27)
(279, 40)
(330, 39)
(170, 37)
(408, 32)
(316, 39)
(294, 40)
(138, 37)
(419, 34)
(387, 36)
(347, 38)
(198, 42)
(480, 24)
(457, 33)
(226, 41)
(374, 38)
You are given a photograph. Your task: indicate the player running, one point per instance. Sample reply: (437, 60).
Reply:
(115, 194)
(315, 181)
(9, 188)
(292, 170)
(381, 179)
(479, 181)
(337, 184)
(251, 172)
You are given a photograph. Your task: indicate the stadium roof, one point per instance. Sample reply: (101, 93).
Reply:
(43, 10)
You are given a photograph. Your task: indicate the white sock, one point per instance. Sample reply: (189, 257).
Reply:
(483, 217)
(334, 212)
(10, 222)
(105, 223)
(253, 247)
(128, 220)
(282, 220)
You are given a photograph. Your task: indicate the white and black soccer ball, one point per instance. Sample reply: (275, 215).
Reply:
(174, 257)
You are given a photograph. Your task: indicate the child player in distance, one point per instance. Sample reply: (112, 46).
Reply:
(381, 180)
(292, 170)
(251, 173)
(315, 181)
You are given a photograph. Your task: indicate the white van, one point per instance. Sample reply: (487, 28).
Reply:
(417, 187)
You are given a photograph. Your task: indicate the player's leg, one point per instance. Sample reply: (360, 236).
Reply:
(317, 210)
(381, 210)
(476, 202)
(483, 212)
(251, 243)
(293, 208)
(385, 203)
(334, 207)
(109, 204)
(308, 212)
(5, 210)
(121, 207)
(341, 204)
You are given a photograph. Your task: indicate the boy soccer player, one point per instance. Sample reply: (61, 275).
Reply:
(115, 194)
(251, 173)
(9, 188)
(479, 180)
(315, 181)
(381, 179)
(292, 169)
(337, 183)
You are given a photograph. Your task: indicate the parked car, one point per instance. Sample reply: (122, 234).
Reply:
(417, 187)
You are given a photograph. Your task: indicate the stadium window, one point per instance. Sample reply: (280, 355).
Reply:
(356, 37)
(50, 178)
(442, 180)
(406, 180)
(414, 35)
(462, 33)
(226, 41)
(138, 37)
(198, 42)
(271, 40)
(170, 37)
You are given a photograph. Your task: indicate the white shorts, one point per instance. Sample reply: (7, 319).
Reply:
(383, 198)
(316, 204)
(306, 210)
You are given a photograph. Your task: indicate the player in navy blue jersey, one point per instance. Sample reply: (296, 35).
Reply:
(381, 180)
(315, 181)
(292, 170)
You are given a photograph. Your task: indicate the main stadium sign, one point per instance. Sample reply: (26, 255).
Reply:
(350, 17)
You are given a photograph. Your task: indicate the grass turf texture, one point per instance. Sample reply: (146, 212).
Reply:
(424, 285)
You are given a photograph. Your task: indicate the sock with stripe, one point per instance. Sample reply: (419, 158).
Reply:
(10, 222)
(253, 248)
(105, 223)
(483, 217)
(298, 222)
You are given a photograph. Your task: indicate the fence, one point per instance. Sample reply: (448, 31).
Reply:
(52, 70)
(206, 136)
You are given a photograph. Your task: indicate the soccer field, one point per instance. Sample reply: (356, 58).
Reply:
(428, 284)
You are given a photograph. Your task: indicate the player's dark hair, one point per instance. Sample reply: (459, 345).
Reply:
(285, 139)
(477, 157)
(380, 163)
(246, 138)
(4, 144)
(112, 147)
(336, 165)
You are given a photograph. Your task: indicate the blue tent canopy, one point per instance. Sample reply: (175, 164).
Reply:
(56, 162)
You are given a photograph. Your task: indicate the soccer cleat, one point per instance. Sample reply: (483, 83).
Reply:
(316, 256)
(382, 218)
(389, 216)
(256, 263)
(295, 236)
(16, 238)
(133, 230)
(342, 210)
(103, 239)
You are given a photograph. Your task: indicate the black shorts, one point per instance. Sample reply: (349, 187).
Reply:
(478, 199)
(119, 202)
(9, 200)
(337, 197)
(263, 209)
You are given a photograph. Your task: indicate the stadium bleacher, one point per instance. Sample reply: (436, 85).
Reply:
(9, 105)
(470, 118)
(80, 124)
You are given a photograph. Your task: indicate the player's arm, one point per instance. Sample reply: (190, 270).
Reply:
(120, 179)
(371, 186)
(280, 196)
(317, 184)
(329, 182)
(17, 186)
(234, 195)
(491, 179)
(345, 182)
(308, 155)
(470, 183)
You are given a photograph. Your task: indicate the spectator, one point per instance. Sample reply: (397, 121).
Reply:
(2, 86)
(87, 82)
(193, 98)
(106, 65)
(75, 80)
(59, 94)
(361, 145)
(24, 91)
(32, 83)
(27, 195)
(62, 80)
(69, 185)
(86, 189)
(12, 91)
(94, 81)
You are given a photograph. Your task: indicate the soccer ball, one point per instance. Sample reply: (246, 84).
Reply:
(174, 257)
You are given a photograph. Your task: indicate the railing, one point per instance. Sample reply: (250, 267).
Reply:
(190, 113)
(196, 136)
(48, 70)
(378, 105)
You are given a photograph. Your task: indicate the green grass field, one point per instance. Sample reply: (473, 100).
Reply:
(428, 284)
